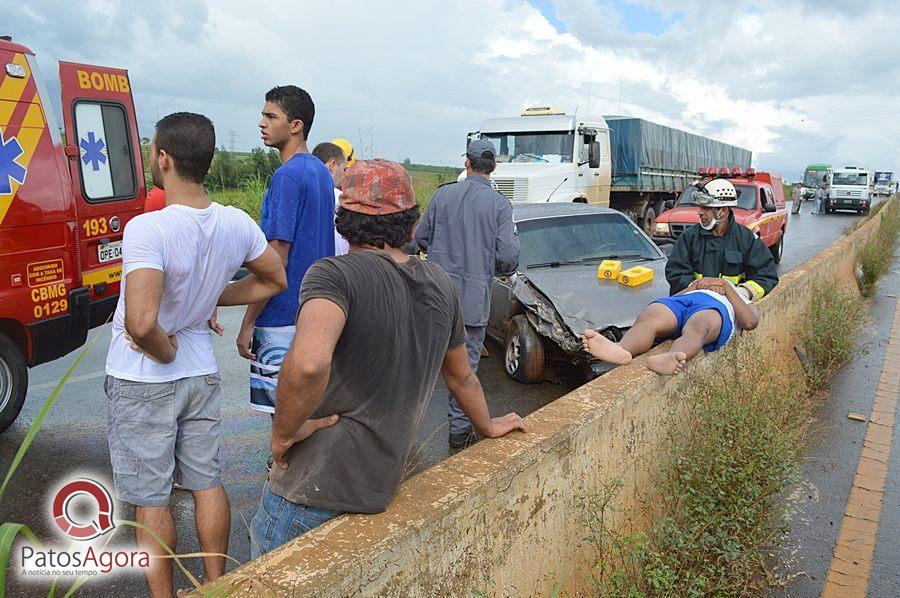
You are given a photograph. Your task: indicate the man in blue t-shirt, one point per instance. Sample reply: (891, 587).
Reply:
(298, 221)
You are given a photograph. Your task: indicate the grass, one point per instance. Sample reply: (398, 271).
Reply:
(876, 254)
(716, 509)
(829, 330)
(249, 196)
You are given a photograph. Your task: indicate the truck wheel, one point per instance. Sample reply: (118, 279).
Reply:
(777, 249)
(13, 381)
(524, 357)
(648, 223)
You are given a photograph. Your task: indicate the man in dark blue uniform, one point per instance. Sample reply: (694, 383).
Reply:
(468, 230)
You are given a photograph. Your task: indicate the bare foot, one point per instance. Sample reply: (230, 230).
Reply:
(604, 349)
(667, 364)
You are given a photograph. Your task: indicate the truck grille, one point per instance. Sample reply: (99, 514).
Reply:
(512, 189)
(677, 229)
(849, 193)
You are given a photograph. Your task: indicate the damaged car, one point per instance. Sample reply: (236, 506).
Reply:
(539, 313)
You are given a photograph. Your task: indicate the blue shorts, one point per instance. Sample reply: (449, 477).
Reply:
(686, 305)
(270, 345)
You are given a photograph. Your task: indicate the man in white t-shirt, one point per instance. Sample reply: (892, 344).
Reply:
(335, 160)
(162, 378)
(706, 315)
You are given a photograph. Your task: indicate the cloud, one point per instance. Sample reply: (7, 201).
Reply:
(795, 81)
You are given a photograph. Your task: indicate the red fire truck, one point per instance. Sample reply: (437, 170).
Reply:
(65, 198)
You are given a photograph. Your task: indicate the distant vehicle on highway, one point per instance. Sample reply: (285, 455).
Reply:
(883, 184)
(814, 177)
(849, 190)
(539, 313)
(630, 164)
(64, 203)
(760, 208)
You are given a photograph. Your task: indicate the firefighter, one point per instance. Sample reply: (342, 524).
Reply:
(720, 248)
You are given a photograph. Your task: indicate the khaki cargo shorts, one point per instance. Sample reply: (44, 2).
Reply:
(161, 430)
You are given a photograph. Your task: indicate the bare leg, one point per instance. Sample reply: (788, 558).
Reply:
(701, 329)
(656, 321)
(212, 517)
(159, 519)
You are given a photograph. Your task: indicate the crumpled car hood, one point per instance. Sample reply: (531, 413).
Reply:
(582, 300)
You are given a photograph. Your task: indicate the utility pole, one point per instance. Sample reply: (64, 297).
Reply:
(231, 136)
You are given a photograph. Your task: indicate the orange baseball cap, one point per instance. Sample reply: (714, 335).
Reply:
(377, 187)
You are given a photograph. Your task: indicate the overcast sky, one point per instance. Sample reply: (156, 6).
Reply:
(795, 81)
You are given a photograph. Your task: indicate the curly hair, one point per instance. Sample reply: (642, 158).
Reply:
(392, 230)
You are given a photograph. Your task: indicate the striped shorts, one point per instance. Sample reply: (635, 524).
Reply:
(270, 345)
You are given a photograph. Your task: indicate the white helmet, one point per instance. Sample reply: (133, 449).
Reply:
(717, 193)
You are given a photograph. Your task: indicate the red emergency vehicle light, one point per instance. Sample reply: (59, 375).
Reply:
(723, 170)
(702, 170)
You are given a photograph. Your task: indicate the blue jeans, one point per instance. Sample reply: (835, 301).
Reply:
(278, 521)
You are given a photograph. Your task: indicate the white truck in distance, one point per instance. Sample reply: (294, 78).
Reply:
(883, 184)
(629, 164)
(849, 190)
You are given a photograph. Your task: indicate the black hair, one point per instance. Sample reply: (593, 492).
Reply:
(296, 103)
(327, 151)
(190, 139)
(483, 165)
(367, 229)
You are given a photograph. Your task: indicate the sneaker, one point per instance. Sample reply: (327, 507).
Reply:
(461, 440)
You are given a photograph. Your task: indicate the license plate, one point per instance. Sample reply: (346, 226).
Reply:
(109, 252)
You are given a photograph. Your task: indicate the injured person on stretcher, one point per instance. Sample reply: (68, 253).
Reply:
(703, 316)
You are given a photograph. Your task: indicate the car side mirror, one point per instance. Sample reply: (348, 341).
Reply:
(594, 155)
(769, 207)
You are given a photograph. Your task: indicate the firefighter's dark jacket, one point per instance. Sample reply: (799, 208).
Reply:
(738, 255)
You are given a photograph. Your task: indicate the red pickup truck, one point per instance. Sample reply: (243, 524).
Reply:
(760, 207)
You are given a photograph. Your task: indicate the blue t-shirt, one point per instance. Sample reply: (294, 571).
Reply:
(298, 208)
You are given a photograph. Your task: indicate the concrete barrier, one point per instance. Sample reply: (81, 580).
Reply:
(501, 516)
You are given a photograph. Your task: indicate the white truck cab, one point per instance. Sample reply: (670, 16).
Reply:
(546, 155)
(849, 189)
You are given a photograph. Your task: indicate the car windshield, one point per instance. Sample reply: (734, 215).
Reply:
(746, 197)
(581, 237)
(850, 178)
(814, 178)
(552, 147)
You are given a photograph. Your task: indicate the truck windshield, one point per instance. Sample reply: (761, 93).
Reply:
(850, 178)
(814, 178)
(746, 197)
(581, 238)
(552, 147)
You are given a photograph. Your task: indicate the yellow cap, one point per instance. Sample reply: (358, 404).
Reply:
(348, 149)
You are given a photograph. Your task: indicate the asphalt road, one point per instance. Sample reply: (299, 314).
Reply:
(73, 440)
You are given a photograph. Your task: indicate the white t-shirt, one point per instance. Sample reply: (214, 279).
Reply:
(198, 252)
(341, 246)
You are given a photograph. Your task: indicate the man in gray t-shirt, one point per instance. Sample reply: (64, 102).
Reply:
(375, 328)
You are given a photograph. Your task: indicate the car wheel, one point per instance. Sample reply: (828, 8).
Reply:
(777, 249)
(13, 381)
(524, 355)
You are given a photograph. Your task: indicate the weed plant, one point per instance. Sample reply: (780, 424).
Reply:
(876, 254)
(828, 331)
